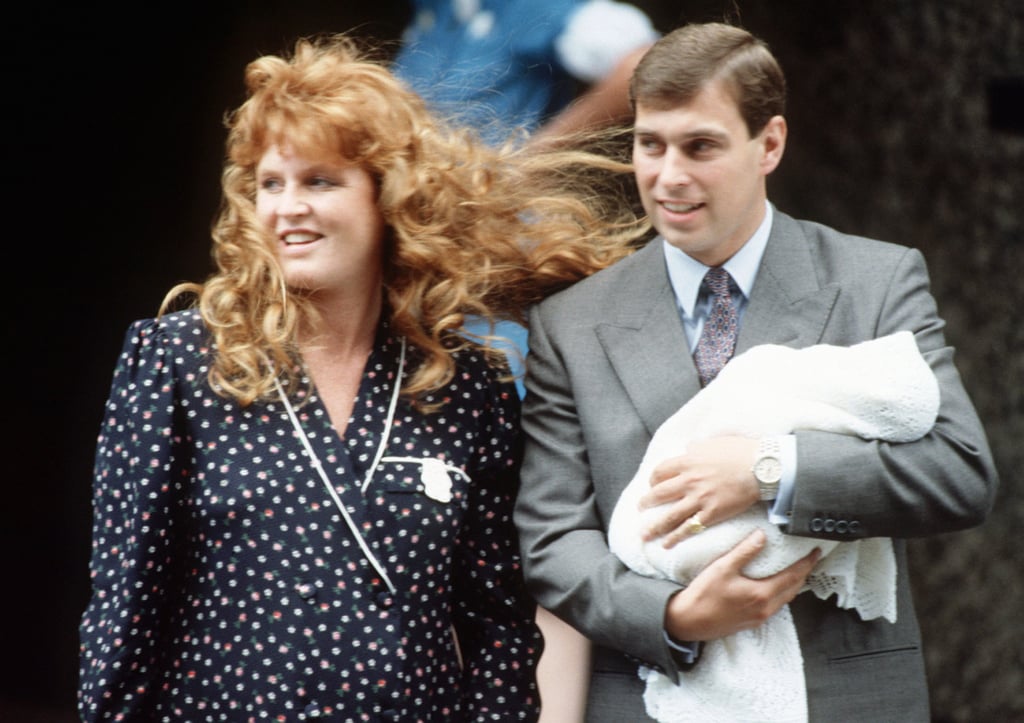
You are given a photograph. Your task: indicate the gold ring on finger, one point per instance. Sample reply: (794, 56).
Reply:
(694, 526)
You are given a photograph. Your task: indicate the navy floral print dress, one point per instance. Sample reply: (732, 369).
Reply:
(228, 586)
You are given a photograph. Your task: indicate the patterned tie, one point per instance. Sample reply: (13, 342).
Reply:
(718, 339)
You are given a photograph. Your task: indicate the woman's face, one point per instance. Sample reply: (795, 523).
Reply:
(325, 221)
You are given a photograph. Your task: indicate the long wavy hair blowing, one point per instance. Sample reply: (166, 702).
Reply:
(471, 229)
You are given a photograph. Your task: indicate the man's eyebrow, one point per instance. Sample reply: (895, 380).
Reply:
(688, 135)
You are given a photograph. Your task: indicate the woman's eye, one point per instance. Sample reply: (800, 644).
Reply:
(270, 184)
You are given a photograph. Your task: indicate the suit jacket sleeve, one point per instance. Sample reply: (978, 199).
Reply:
(944, 482)
(561, 520)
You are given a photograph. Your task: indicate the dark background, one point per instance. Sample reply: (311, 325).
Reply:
(906, 123)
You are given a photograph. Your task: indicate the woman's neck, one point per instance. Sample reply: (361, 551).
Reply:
(335, 349)
(342, 327)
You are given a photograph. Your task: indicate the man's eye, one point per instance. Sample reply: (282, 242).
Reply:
(701, 147)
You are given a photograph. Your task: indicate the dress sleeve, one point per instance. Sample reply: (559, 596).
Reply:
(493, 613)
(139, 493)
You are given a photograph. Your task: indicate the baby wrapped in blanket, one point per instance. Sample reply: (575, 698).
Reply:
(880, 389)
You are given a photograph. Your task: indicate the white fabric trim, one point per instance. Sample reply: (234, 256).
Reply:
(318, 466)
(399, 375)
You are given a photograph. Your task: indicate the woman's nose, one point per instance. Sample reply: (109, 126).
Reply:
(291, 204)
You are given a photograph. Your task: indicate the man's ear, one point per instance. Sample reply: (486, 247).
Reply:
(773, 143)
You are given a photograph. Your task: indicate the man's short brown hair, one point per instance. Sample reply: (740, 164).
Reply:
(683, 62)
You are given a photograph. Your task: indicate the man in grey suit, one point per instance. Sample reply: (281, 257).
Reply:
(610, 360)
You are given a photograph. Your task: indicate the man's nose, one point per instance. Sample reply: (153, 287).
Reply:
(675, 170)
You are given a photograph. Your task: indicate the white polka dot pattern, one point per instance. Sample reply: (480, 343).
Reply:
(226, 587)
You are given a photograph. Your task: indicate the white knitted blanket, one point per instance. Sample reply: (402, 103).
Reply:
(879, 389)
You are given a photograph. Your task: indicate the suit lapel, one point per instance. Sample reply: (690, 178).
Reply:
(647, 347)
(645, 342)
(786, 306)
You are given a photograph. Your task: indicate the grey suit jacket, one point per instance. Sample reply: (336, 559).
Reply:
(609, 363)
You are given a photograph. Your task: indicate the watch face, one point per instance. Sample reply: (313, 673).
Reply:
(768, 470)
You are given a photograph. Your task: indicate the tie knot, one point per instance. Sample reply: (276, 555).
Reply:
(717, 279)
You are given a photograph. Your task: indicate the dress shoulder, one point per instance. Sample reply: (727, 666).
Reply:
(178, 326)
(176, 344)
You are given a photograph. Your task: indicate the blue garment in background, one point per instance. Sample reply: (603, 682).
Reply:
(490, 64)
(499, 66)
(513, 342)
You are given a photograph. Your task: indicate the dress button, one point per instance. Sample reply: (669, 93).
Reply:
(313, 711)
(384, 599)
(306, 590)
(389, 714)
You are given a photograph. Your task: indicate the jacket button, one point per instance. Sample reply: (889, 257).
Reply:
(842, 527)
(830, 525)
(816, 524)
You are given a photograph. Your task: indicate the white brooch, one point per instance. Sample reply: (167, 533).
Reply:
(437, 484)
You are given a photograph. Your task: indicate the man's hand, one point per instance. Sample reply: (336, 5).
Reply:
(713, 479)
(721, 601)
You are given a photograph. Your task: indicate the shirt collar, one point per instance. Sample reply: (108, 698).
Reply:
(686, 273)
